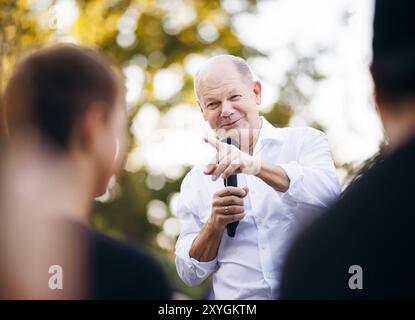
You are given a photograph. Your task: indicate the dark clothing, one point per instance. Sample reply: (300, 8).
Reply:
(372, 226)
(121, 271)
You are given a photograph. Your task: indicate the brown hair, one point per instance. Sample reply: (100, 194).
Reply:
(52, 89)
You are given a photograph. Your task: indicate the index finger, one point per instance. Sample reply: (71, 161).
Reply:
(213, 142)
(232, 191)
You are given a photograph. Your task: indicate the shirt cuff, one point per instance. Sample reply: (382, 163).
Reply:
(193, 270)
(205, 268)
(295, 173)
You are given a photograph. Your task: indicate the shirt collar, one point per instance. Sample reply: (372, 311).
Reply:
(266, 133)
(269, 132)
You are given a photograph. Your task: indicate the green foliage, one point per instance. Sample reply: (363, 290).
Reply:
(160, 42)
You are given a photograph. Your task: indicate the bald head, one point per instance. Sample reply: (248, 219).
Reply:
(216, 65)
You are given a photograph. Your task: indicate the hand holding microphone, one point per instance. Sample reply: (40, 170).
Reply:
(228, 208)
(229, 161)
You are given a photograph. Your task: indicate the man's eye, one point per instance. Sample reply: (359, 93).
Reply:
(235, 97)
(212, 105)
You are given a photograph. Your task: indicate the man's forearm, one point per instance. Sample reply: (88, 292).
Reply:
(274, 176)
(205, 246)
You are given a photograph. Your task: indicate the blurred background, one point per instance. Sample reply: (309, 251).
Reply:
(311, 56)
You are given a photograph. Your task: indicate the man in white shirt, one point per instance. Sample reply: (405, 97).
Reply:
(285, 176)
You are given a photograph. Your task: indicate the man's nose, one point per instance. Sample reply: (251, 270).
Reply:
(227, 109)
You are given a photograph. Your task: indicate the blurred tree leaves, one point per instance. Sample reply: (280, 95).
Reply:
(19, 32)
(159, 34)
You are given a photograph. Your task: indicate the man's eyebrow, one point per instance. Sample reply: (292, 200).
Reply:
(233, 91)
(210, 99)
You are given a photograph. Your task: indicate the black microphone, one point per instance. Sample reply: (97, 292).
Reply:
(231, 181)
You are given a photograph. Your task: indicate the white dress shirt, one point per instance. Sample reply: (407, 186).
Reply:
(248, 266)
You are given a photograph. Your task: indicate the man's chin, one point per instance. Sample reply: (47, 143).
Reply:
(100, 194)
(104, 188)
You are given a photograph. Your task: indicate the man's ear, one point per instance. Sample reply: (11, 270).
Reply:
(378, 100)
(201, 110)
(93, 122)
(257, 91)
(377, 96)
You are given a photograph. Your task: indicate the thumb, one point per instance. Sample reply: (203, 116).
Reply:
(246, 189)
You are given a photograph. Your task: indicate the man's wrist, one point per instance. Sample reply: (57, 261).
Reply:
(254, 167)
(214, 228)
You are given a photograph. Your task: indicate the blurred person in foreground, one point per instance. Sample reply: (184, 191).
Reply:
(363, 247)
(67, 126)
(285, 177)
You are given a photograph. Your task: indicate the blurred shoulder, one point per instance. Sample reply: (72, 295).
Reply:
(300, 134)
(300, 131)
(131, 269)
(195, 174)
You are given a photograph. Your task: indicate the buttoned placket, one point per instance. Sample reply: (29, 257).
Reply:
(260, 221)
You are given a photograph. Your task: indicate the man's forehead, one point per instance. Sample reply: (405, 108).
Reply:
(214, 82)
(221, 73)
(216, 90)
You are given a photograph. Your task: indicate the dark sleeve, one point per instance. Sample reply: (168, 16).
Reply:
(371, 226)
(122, 271)
(310, 271)
(317, 265)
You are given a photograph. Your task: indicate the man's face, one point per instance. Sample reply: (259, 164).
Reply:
(112, 145)
(228, 101)
(120, 133)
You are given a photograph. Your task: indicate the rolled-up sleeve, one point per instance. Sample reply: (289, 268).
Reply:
(191, 271)
(313, 178)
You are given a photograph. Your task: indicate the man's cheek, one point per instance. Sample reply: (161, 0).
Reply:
(213, 122)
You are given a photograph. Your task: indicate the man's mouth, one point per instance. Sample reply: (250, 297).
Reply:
(229, 124)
